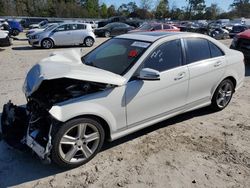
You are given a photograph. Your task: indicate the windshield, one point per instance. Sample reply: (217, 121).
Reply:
(116, 55)
(50, 27)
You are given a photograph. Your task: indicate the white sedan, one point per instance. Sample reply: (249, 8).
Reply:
(128, 83)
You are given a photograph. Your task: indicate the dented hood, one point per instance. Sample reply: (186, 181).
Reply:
(67, 64)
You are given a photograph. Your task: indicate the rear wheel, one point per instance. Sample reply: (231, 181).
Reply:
(222, 95)
(15, 32)
(107, 34)
(77, 142)
(89, 41)
(47, 43)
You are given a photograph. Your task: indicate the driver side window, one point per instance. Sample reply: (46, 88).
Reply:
(165, 57)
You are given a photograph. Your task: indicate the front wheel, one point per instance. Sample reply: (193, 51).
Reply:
(77, 142)
(47, 44)
(107, 34)
(222, 95)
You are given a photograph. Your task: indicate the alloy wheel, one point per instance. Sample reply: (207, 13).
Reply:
(224, 95)
(79, 143)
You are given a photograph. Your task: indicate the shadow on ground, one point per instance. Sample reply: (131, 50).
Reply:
(17, 167)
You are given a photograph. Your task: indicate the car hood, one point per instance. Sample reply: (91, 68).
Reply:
(67, 64)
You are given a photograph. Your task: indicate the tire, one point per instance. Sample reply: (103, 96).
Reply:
(15, 32)
(71, 147)
(89, 41)
(47, 43)
(107, 34)
(222, 95)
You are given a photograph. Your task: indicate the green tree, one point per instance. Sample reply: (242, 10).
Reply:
(212, 12)
(241, 8)
(146, 4)
(103, 11)
(162, 9)
(111, 11)
(195, 7)
(92, 7)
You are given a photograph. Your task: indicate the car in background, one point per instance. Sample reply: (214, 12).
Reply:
(36, 30)
(26, 22)
(237, 29)
(94, 24)
(15, 27)
(43, 23)
(63, 34)
(156, 27)
(113, 29)
(5, 40)
(219, 33)
(241, 42)
(132, 81)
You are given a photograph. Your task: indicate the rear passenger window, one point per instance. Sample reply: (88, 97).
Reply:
(215, 51)
(81, 26)
(197, 49)
(166, 56)
(166, 27)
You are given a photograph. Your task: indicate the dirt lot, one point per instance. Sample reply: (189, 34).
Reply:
(197, 149)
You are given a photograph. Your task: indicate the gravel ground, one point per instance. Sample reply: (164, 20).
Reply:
(196, 149)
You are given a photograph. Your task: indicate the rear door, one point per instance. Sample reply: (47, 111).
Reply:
(206, 64)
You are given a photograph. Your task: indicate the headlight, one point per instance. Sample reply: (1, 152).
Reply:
(36, 36)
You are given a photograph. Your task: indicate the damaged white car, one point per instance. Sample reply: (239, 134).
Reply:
(129, 82)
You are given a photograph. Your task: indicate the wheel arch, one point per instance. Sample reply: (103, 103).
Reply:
(101, 120)
(49, 39)
(232, 78)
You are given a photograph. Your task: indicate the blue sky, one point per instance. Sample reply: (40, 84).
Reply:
(223, 4)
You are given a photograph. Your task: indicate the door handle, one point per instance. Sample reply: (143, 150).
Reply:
(180, 76)
(218, 63)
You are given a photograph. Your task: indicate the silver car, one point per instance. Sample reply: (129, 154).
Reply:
(63, 34)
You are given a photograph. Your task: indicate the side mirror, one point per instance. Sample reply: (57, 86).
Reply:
(149, 74)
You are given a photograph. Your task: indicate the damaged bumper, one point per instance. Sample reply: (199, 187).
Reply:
(21, 131)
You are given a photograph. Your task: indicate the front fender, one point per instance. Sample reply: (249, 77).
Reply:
(66, 112)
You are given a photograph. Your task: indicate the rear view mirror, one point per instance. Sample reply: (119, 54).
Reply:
(149, 74)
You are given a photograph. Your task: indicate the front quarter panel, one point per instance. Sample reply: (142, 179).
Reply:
(108, 105)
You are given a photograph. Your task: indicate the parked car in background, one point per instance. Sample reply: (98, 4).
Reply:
(15, 27)
(237, 29)
(156, 27)
(94, 24)
(63, 34)
(5, 39)
(43, 23)
(241, 42)
(26, 22)
(31, 31)
(128, 83)
(219, 33)
(113, 29)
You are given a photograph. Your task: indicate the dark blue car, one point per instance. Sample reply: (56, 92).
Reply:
(15, 27)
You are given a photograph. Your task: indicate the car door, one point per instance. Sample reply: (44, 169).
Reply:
(148, 100)
(77, 33)
(117, 29)
(62, 35)
(206, 64)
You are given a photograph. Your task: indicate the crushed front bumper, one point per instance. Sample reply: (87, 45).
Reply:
(14, 124)
(16, 131)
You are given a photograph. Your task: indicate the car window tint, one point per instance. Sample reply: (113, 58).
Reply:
(197, 49)
(157, 27)
(81, 26)
(61, 28)
(166, 27)
(73, 27)
(112, 50)
(215, 51)
(166, 56)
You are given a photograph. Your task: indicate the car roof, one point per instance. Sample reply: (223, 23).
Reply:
(148, 36)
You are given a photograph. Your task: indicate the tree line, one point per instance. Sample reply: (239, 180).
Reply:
(194, 9)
